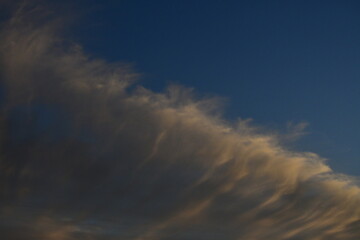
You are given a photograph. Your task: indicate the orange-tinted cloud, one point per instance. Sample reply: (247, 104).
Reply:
(84, 158)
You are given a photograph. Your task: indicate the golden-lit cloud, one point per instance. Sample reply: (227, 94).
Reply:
(84, 157)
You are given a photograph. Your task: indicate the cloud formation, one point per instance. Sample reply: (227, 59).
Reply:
(85, 157)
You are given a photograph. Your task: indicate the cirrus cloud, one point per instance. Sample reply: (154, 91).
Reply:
(83, 157)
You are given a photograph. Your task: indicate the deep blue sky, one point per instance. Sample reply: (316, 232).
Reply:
(275, 61)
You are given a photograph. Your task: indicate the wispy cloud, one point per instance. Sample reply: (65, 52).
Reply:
(84, 158)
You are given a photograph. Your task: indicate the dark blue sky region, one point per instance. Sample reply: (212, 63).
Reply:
(274, 61)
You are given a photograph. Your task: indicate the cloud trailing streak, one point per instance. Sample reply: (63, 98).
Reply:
(84, 156)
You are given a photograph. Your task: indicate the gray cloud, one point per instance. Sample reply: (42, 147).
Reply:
(83, 157)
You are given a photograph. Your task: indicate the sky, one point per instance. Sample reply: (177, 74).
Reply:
(154, 120)
(276, 62)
